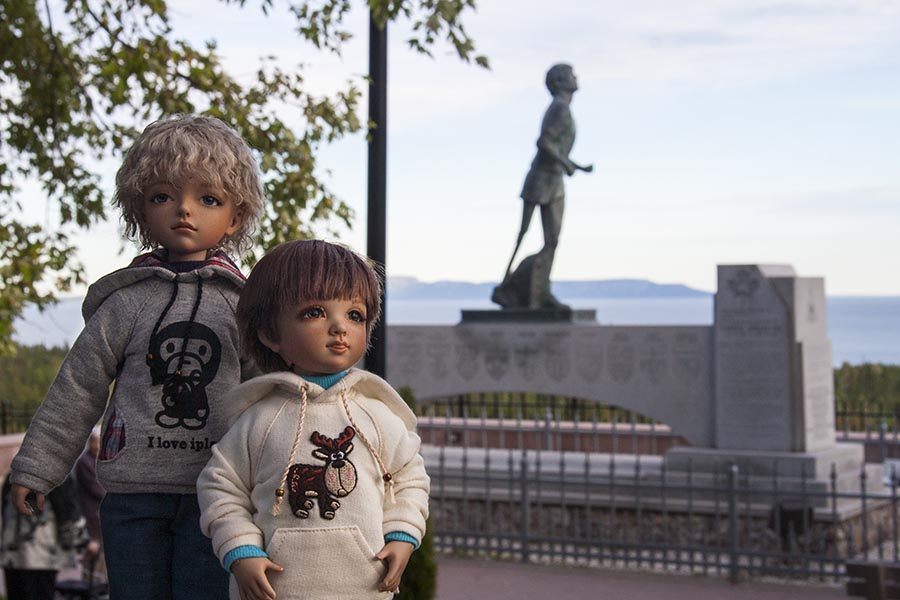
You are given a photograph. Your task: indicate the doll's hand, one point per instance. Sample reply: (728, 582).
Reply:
(396, 555)
(23, 505)
(250, 575)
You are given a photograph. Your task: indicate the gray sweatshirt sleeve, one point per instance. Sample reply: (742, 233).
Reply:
(77, 398)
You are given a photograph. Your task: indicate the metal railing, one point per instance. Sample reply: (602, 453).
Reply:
(584, 491)
(14, 419)
(878, 430)
(545, 506)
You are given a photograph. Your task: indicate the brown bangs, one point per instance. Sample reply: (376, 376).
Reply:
(323, 271)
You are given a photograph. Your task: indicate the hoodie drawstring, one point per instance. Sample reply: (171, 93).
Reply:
(187, 331)
(160, 320)
(279, 492)
(385, 475)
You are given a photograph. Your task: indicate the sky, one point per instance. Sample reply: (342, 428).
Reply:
(721, 131)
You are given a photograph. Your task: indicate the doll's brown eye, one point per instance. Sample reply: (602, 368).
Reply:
(314, 312)
(356, 316)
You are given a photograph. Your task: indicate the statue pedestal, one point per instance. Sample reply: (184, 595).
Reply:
(530, 315)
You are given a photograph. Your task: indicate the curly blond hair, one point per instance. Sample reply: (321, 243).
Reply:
(176, 149)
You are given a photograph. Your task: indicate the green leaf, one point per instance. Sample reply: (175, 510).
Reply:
(75, 95)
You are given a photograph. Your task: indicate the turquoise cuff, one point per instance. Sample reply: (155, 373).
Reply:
(399, 536)
(242, 552)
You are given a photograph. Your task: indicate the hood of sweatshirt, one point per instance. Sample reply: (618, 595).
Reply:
(287, 384)
(152, 264)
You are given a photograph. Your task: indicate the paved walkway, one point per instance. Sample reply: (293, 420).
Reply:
(470, 579)
(473, 579)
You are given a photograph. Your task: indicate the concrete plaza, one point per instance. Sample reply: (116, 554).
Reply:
(472, 579)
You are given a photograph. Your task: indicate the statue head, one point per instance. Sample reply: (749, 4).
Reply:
(561, 77)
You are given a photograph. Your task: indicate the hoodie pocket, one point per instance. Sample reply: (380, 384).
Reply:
(328, 563)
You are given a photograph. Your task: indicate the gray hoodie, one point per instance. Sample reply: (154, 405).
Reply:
(163, 348)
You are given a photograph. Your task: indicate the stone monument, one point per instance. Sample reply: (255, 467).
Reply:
(774, 382)
(773, 387)
(528, 286)
(754, 389)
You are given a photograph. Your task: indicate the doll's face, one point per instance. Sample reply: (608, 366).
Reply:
(188, 219)
(320, 337)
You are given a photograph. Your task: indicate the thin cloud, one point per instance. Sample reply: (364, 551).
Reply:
(865, 201)
(799, 10)
(695, 38)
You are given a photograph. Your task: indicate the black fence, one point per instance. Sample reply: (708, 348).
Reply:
(590, 510)
(543, 479)
(14, 419)
(878, 430)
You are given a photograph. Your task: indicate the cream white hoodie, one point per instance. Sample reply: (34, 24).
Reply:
(333, 517)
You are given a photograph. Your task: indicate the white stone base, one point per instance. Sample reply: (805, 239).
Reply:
(791, 473)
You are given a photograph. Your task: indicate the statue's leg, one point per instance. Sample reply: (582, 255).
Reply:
(527, 212)
(551, 220)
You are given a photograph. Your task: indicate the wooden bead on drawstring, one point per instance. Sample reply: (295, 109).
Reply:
(387, 477)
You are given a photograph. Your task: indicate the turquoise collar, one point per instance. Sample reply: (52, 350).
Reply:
(325, 381)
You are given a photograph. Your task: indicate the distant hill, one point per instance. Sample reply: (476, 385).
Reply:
(410, 288)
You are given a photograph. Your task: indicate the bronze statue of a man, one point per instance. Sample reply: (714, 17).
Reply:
(529, 285)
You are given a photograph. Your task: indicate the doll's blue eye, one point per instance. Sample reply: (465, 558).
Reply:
(159, 198)
(211, 201)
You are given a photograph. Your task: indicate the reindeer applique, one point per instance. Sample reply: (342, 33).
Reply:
(324, 483)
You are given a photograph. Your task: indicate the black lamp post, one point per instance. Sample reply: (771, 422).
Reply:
(377, 188)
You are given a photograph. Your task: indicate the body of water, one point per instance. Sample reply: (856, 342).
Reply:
(861, 329)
